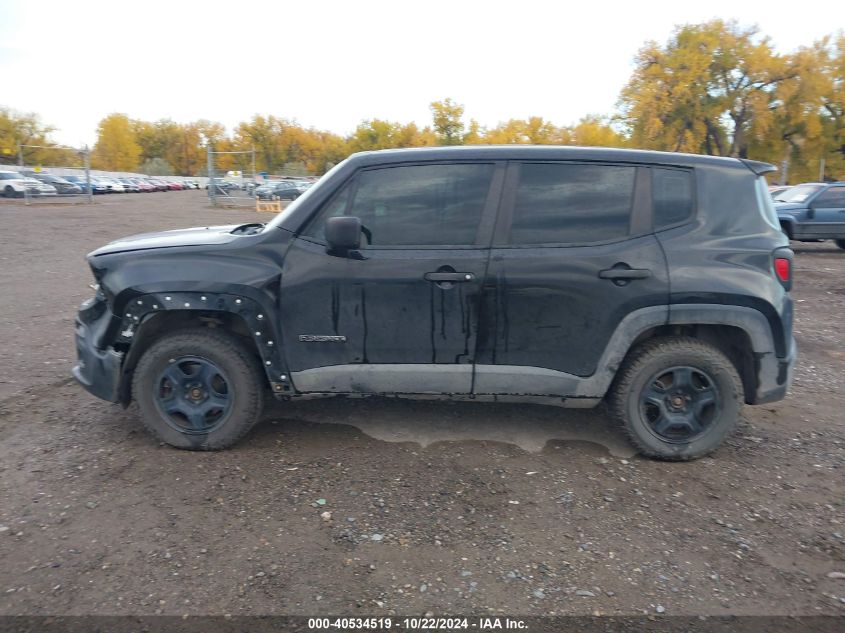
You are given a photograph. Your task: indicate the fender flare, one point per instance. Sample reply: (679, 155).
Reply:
(749, 320)
(260, 321)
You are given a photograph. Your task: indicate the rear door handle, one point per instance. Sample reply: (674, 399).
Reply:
(625, 273)
(454, 277)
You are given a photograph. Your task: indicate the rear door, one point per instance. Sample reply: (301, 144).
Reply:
(573, 254)
(400, 315)
(828, 209)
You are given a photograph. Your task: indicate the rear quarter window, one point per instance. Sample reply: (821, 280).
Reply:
(672, 196)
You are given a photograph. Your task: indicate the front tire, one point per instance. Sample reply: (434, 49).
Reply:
(678, 398)
(840, 244)
(198, 390)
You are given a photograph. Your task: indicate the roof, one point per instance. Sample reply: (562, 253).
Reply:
(552, 152)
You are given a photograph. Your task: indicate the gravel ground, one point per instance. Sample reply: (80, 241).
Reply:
(372, 507)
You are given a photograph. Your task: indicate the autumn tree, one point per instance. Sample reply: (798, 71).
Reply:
(378, 134)
(534, 130)
(702, 90)
(22, 129)
(117, 148)
(448, 122)
(595, 131)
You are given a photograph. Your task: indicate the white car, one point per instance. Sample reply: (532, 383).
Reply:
(113, 185)
(12, 184)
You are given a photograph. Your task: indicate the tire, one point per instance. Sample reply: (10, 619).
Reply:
(9, 191)
(213, 366)
(840, 244)
(681, 374)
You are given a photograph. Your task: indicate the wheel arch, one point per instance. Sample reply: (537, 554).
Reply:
(146, 318)
(741, 333)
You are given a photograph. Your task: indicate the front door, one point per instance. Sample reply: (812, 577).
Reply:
(573, 255)
(400, 315)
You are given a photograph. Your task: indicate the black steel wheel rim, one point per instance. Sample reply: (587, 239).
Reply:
(193, 395)
(680, 404)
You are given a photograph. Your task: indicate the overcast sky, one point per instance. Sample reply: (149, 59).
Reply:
(331, 64)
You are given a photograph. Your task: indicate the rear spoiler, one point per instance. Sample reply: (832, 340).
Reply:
(757, 167)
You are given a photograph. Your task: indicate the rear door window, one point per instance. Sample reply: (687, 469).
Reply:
(570, 203)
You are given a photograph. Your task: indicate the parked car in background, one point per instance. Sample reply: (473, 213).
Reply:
(63, 187)
(128, 185)
(191, 184)
(144, 186)
(112, 185)
(221, 187)
(813, 211)
(283, 190)
(774, 190)
(79, 181)
(12, 184)
(37, 188)
(159, 185)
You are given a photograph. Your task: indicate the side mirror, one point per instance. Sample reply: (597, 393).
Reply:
(343, 234)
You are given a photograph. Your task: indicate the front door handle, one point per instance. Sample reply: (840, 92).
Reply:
(625, 273)
(453, 277)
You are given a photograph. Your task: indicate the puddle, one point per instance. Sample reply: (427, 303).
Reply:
(528, 426)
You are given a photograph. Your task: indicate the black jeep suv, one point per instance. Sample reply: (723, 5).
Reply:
(656, 282)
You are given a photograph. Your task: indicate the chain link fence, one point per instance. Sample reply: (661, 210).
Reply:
(232, 178)
(51, 174)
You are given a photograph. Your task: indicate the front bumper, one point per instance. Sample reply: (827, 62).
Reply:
(774, 375)
(97, 370)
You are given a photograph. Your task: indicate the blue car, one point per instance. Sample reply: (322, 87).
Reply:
(813, 211)
(80, 182)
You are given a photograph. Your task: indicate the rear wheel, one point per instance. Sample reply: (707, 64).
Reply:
(678, 398)
(9, 191)
(840, 244)
(198, 390)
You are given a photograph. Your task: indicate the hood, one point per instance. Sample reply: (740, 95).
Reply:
(199, 236)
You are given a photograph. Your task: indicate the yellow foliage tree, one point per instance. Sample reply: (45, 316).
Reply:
(702, 91)
(117, 148)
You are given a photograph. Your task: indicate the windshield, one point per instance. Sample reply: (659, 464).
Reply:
(798, 193)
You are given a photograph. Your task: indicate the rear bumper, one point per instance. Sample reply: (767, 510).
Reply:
(774, 376)
(96, 370)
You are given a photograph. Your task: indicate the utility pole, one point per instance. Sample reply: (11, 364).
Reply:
(87, 157)
(821, 170)
(211, 193)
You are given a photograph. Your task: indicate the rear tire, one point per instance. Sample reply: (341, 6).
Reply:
(840, 244)
(678, 398)
(198, 390)
(9, 191)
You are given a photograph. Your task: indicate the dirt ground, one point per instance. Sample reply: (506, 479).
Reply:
(441, 508)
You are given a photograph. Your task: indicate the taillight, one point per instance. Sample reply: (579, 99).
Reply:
(783, 267)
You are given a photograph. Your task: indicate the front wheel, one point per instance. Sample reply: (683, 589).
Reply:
(678, 398)
(9, 191)
(840, 244)
(198, 390)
